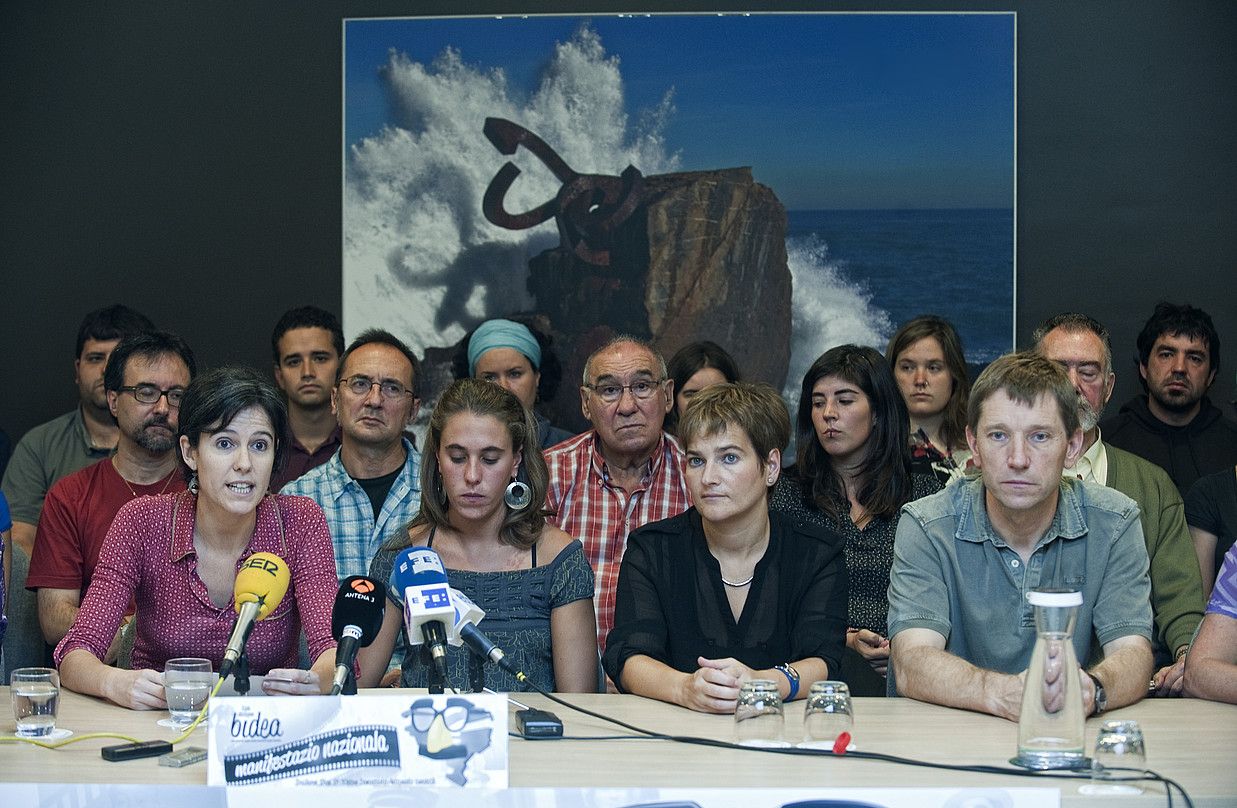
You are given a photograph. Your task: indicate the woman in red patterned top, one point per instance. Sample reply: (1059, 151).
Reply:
(176, 556)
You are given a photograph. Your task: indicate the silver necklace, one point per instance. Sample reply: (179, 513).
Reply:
(737, 584)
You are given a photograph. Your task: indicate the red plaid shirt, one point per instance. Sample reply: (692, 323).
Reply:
(601, 515)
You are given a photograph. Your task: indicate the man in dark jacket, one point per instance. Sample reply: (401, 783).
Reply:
(1175, 425)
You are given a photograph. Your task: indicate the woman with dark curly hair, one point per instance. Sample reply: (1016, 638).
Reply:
(483, 483)
(852, 476)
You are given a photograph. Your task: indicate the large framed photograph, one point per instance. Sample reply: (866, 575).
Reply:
(778, 184)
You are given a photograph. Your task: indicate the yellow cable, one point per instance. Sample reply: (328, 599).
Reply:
(92, 735)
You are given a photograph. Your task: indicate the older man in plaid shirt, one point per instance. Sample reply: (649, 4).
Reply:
(623, 473)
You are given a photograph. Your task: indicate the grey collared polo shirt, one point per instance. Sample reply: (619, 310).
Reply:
(953, 574)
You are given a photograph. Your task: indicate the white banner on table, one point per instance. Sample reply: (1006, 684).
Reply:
(413, 739)
(663, 798)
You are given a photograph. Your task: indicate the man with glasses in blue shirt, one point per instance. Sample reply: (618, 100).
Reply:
(145, 379)
(370, 487)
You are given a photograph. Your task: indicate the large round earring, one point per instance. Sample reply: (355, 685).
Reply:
(193, 484)
(518, 495)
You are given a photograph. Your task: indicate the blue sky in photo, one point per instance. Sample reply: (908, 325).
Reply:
(833, 111)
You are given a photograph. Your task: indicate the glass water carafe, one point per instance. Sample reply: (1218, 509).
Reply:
(1050, 726)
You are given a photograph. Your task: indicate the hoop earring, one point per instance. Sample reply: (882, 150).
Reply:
(193, 484)
(518, 495)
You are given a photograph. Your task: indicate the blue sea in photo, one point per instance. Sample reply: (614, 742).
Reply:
(859, 274)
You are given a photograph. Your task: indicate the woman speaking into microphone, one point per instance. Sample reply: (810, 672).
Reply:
(178, 557)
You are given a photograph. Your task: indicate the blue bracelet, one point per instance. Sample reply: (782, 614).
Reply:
(792, 676)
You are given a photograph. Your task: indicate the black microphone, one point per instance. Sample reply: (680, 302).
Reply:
(356, 620)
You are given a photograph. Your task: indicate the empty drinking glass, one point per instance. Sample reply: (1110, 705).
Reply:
(758, 717)
(187, 683)
(827, 714)
(36, 697)
(1118, 745)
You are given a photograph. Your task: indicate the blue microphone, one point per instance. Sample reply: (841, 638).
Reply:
(420, 577)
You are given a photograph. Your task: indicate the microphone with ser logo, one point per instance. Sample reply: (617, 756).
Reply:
(260, 585)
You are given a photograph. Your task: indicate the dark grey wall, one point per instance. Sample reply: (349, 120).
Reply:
(187, 160)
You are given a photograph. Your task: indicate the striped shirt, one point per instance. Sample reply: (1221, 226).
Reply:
(601, 515)
(1224, 596)
(355, 533)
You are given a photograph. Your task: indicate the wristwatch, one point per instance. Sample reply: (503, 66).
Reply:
(1101, 695)
(792, 676)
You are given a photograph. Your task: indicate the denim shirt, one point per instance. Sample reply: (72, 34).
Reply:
(954, 575)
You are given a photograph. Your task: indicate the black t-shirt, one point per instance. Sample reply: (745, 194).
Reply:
(1211, 505)
(377, 488)
(671, 603)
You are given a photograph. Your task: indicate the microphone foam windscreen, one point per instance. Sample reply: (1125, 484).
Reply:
(417, 566)
(263, 579)
(360, 602)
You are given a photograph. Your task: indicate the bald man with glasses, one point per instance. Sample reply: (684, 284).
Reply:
(623, 473)
(145, 380)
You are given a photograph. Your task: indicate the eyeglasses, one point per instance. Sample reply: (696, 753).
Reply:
(387, 388)
(150, 394)
(453, 717)
(610, 393)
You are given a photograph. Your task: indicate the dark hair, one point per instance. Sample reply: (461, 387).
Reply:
(757, 409)
(953, 425)
(1024, 377)
(689, 360)
(377, 336)
(1179, 321)
(147, 344)
(307, 317)
(551, 369)
(113, 322)
(885, 474)
(214, 399)
(1072, 323)
(520, 528)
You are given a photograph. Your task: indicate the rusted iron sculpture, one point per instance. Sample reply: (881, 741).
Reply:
(588, 207)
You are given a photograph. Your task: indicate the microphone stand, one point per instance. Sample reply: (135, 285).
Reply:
(476, 672)
(436, 684)
(240, 674)
(349, 688)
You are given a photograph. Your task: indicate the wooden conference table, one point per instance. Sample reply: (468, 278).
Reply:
(1188, 740)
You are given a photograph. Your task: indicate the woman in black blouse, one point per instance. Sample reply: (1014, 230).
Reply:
(727, 591)
(852, 476)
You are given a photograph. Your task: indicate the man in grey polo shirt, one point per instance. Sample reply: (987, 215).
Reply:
(961, 629)
(84, 435)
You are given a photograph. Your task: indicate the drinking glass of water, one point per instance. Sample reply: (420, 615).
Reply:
(758, 716)
(36, 697)
(827, 714)
(1119, 745)
(187, 683)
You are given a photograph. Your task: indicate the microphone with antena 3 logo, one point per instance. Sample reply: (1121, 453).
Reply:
(356, 619)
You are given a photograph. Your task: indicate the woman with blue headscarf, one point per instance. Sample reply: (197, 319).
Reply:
(519, 359)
